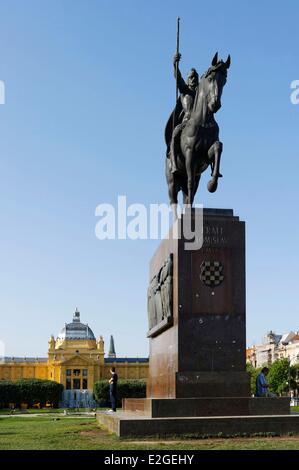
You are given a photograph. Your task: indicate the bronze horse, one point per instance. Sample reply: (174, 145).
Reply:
(198, 144)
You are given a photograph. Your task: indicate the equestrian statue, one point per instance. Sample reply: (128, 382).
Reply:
(192, 134)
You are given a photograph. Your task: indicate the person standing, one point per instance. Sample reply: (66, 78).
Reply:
(113, 388)
(262, 386)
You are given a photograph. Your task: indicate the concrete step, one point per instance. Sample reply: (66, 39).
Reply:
(128, 424)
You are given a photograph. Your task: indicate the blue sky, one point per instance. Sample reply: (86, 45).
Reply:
(89, 87)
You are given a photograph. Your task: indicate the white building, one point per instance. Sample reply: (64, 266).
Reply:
(275, 347)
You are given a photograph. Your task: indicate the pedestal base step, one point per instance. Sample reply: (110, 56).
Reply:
(135, 425)
(196, 407)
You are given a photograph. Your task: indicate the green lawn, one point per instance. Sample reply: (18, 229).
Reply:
(31, 411)
(47, 411)
(41, 433)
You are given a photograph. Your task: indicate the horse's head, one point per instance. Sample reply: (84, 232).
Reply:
(213, 82)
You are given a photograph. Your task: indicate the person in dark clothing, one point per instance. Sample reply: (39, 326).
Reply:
(262, 386)
(113, 388)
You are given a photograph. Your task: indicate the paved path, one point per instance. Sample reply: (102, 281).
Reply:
(49, 415)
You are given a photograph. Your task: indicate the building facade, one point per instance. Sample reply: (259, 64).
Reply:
(76, 359)
(275, 347)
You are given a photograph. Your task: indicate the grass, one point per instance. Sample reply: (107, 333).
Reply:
(47, 411)
(18, 433)
(31, 411)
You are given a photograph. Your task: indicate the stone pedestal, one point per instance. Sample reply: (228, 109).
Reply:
(202, 352)
(197, 371)
(199, 407)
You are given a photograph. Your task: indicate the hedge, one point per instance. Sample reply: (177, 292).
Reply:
(29, 391)
(125, 389)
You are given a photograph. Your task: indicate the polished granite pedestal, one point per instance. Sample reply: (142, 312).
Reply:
(197, 368)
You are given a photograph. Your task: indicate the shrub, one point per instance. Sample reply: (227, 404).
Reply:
(125, 389)
(30, 391)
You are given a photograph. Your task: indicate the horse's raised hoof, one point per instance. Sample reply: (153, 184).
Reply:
(212, 185)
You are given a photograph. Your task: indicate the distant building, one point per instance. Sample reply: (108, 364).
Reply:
(76, 360)
(275, 347)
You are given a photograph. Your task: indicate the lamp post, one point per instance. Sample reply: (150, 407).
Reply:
(289, 376)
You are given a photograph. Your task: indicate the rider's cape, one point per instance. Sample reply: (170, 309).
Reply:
(175, 118)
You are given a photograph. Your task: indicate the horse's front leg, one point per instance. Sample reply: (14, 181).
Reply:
(190, 176)
(173, 188)
(214, 155)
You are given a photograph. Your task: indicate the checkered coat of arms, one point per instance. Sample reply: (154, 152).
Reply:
(211, 273)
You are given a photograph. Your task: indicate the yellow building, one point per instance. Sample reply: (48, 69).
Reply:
(76, 360)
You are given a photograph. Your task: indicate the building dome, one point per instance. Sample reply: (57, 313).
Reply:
(76, 330)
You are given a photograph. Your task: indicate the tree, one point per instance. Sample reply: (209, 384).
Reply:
(279, 376)
(253, 375)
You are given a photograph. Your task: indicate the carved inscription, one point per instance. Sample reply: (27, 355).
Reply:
(214, 235)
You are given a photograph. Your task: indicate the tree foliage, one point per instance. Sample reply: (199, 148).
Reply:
(279, 376)
(282, 376)
(253, 375)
